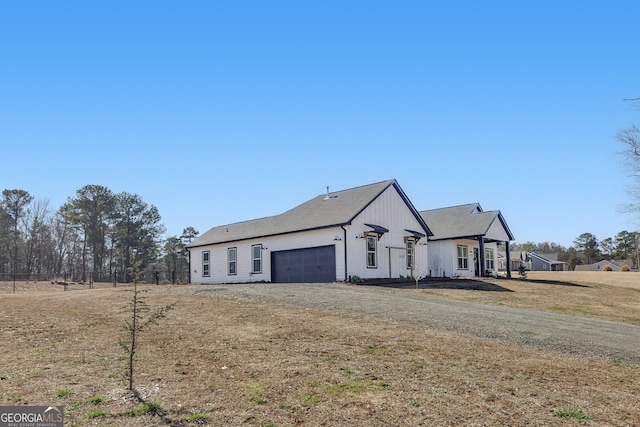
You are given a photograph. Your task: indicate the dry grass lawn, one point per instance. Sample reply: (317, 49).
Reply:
(228, 362)
(604, 295)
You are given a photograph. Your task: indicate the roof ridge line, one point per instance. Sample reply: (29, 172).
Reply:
(454, 206)
(359, 186)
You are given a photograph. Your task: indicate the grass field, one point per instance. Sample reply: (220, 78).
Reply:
(604, 295)
(216, 361)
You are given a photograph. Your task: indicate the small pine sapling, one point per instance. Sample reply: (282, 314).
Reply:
(137, 323)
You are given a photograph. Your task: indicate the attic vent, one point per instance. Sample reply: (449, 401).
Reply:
(329, 196)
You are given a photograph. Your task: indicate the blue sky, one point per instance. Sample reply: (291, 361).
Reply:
(218, 112)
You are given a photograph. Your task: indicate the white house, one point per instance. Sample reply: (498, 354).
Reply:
(372, 231)
(464, 241)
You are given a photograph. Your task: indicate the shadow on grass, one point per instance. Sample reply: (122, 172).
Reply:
(475, 284)
(555, 282)
(463, 284)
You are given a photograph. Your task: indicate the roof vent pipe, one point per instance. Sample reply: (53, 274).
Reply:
(328, 197)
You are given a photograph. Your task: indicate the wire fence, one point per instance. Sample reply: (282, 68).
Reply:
(18, 282)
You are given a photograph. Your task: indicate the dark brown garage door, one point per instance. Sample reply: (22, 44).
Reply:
(308, 265)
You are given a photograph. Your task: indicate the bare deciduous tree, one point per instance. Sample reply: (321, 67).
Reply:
(630, 139)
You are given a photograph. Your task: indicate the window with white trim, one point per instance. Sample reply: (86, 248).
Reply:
(489, 259)
(463, 257)
(256, 259)
(232, 260)
(372, 252)
(411, 247)
(205, 263)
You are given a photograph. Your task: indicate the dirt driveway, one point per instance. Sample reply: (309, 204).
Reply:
(564, 333)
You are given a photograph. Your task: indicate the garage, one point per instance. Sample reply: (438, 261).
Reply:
(307, 265)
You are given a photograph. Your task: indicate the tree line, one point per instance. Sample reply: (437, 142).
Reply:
(587, 249)
(96, 235)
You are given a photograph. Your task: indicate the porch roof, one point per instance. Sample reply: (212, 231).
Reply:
(463, 221)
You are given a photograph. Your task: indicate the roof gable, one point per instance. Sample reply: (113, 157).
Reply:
(462, 221)
(326, 210)
(548, 258)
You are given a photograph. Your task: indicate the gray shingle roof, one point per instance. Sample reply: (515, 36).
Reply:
(550, 258)
(341, 207)
(459, 221)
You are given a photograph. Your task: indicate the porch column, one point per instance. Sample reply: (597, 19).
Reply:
(481, 255)
(506, 245)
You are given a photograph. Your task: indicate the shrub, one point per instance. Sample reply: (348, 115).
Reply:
(256, 395)
(198, 418)
(145, 408)
(624, 267)
(522, 272)
(63, 393)
(95, 414)
(356, 279)
(571, 413)
(607, 268)
(96, 400)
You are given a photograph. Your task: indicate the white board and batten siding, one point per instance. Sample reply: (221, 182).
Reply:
(443, 257)
(388, 210)
(391, 212)
(497, 231)
(218, 258)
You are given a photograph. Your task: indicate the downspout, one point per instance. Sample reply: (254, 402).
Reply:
(344, 239)
(189, 278)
